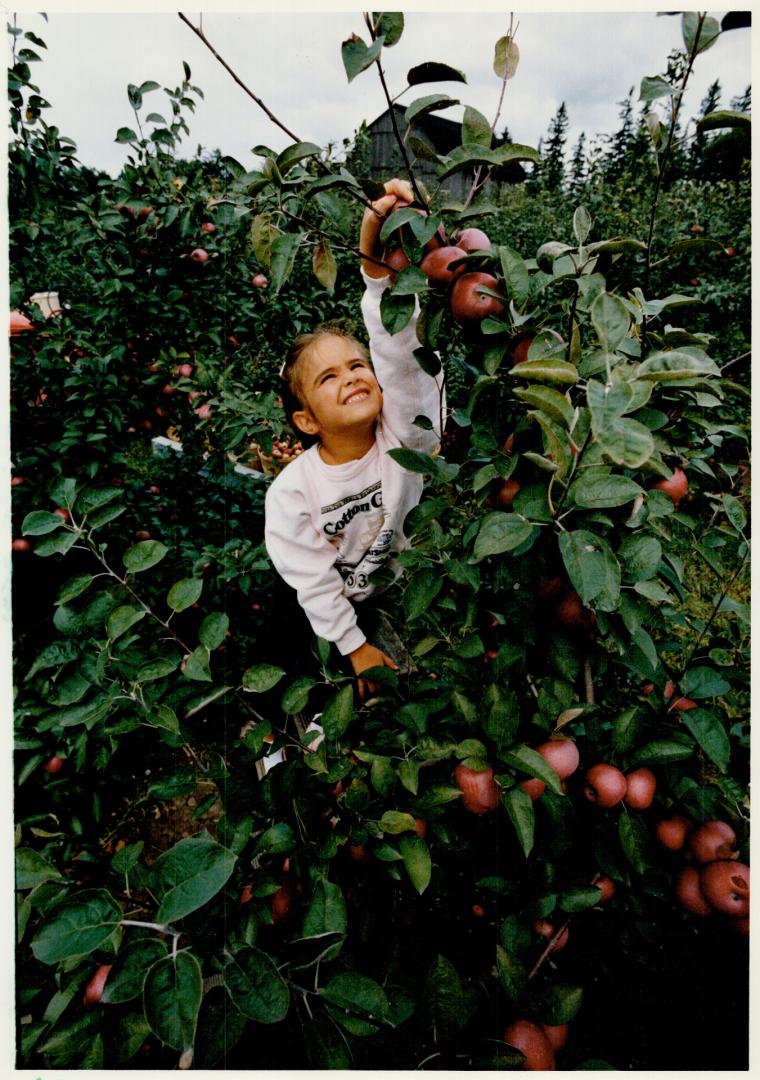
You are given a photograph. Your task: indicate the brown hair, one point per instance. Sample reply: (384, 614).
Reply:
(291, 371)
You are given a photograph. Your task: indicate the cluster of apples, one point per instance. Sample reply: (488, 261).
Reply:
(441, 265)
(538, 1042)
(283, 452)
(713, 880)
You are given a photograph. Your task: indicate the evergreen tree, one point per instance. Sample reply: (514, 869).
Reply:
(553, 165)
(578, 171)
(697, 153)
(743, 103)
(621, 143)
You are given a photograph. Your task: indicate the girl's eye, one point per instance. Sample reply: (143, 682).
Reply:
(330, 375)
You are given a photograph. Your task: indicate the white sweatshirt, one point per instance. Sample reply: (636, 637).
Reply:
(328, 528)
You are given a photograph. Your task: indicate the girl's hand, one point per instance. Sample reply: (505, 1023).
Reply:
(368, 656)
(397, 193)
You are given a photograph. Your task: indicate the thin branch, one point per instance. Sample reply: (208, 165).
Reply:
(199, 32)
(476, 184)
(715, 610)
(549, 949)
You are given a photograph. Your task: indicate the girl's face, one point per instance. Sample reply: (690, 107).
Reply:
(339, 391)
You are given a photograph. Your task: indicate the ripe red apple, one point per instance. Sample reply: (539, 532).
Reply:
(397, 259)
(549, 588)
(480, 792)
(648, 688)
(520, 350)
(208, 227)
(142, 534)
(199, 255)
(359, 853)
(713, 840)
(697, 229)
(546, 929)
(203, 411)
(19, 323)
(260, 281)
(556, 1034)
(420, 827)
(435, 264)
(533, 787)
(740, 924)
(472, 240)
(683, 704)
(478, 911)
(689, 892)
(562, 754)
(470, 306)
(642, 784)
(505, 494)
(17, 480)
(571, 612)
(53, 765)
(21, 544)
(605, 785)
(281, 902)
(185, 370)
(725, 886)
(607, 886)
(94, 990)
(675, 486)
(531, 1039)
(671, 832)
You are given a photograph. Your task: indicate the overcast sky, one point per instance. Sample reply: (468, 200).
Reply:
(292, 61)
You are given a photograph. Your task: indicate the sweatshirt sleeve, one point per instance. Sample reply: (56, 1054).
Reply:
(306, 561)
(407, 390)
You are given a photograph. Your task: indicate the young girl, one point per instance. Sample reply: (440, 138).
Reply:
(334, 515)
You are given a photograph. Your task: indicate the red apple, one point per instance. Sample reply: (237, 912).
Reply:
(470, 306)
(533, 787)
(420, 827)
(185, 370)
(260, 281)
(562, 754)
(20, 323)
(607, 886)
(21, 544)
(675, 486)
(531, 1039)
(556, 1034)
(683, 704)
(546, 929)
(713, 840)
(472, 240)
(671, 832)
(642, 784)
(94, 990)
(572, 613)
(725, 886)
(199, 255)
(520, 349)
(480, 792)
(689, 892)
(505, 495)
(203, 412)
(435, 264)
(17, 480)
(53, 765)
(604, 785)
(397, 259)
(208, 227)
(281, 902)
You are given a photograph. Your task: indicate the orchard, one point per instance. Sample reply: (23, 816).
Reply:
(530, 848)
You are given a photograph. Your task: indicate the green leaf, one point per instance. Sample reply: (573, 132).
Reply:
(163, 716)
(395, 822)
(522, 815)
(581, 225)
(356, 995)
(390, 24)
(396, 311)
(710, 735)
(213, 629)
(144, 555)
(506, 57)
(74, 587)
(596, 489)
(189, 874)
(663, 751)
(357, 57)
(125, 135)
(546, 370)
(654, 86)
(326, 913)
(735, 512)
(121, 619)
(262, 677)
(291, 155)
(421, 591)
(57, 544)
(556, 1004)
(39, 522)
(704, 682)
(413, 461)
(579, 898)
(500, 532)
(611, 320)
(283, 257)
(424, 105)
(431, 71)
(516, 276)
(408, 774)
(32, 868)
(634, 840)
(127, 976)
(417, 862)
(338, 712)
(256, 987)
(512, 974)
(197, 666)
(724, 118)
(77, 925)
(475, 128)
(125, 859)
(640, 557)
(626, 442)
(524, 758)
(324, 265)
(551, 402)
(502, 714)
(676, 365)
(184, 593)
(276, 840)
(296, 697)
(700, 32)
(172, 999)
(443, 1000)
(593, 570)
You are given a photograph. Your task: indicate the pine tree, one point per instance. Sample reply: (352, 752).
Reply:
(553, 165)
(578, 169)
(743, 103)
(697, 153)
(621, 143)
